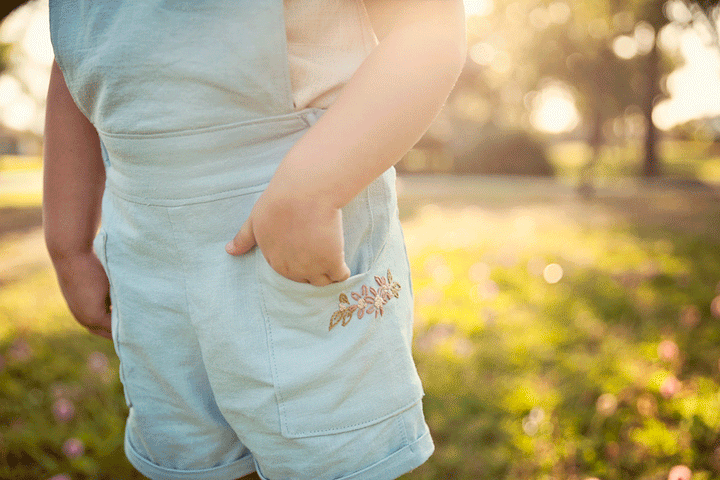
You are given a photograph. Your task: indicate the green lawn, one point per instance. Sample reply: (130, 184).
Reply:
(688, 159)
(557, 348)
(555, 339)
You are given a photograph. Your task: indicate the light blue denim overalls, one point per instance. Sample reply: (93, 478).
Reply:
(227, 366)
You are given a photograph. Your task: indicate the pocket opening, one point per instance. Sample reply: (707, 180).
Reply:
(282, 283)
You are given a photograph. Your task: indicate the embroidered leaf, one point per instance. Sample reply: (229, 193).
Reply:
(336, 318)
(344, 298)
(389, 276)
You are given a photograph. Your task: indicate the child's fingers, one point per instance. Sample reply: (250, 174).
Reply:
(101, 328)
(338, 275)
(341, 273)
(243, 241)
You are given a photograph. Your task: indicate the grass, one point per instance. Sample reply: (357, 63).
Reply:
(687, 159)
(555, 349)
(555, 339)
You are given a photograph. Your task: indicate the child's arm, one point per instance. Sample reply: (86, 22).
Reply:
(74, 180)
(379, 115)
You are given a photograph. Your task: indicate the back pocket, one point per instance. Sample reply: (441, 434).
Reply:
(341, 354)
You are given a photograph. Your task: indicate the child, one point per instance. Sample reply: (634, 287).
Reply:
(180, 121)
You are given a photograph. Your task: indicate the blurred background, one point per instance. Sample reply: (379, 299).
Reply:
(562, 216)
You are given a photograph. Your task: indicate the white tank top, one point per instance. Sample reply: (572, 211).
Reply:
(327, 41)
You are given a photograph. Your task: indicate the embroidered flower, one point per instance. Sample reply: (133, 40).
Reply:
(369, 300)
(361, 298)
(376, 306)
(388, 288)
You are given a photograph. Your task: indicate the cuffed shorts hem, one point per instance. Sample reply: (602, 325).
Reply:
(404, 460)
(234, 470)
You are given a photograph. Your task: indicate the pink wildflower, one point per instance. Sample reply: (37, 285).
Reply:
(668, 350)
(63, 409)
(73, 448)
(680, 472)
(669, 387)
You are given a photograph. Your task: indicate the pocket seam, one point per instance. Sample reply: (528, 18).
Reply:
(347, 428)
(115, 312)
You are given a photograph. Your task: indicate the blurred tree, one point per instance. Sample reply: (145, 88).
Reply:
(615, 66)
(8, 6)
(651, 11)
(707, 5)
(606, 84)
(710, 13)
(605, 52)
(5, 9)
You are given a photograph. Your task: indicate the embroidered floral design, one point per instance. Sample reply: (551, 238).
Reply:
(370, 300)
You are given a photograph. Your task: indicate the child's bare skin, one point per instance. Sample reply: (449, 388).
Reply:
(380, 114)
(74, 181)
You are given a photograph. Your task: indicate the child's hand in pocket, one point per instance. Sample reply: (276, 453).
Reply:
(301, 238)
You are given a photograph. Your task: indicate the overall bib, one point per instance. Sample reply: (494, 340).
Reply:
(227, 366)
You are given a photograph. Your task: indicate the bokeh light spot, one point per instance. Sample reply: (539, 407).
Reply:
(481, 8)
(625, 47)
(689, 316)
(668, 350)
(73, 448)
(482, 53)
(554, 110)
(606, 404)
(479, 272)
(63, 410)
(680, 472)
(553, 273)
(715, 306)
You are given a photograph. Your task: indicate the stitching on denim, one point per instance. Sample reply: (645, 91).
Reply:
(345, 428)
(181, 202)
(293, 116)
(115, 311)
(271, 349)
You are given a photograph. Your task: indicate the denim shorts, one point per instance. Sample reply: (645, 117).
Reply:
(229, 367)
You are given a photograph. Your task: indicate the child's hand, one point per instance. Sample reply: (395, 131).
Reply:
(87, 291)
(301, 239)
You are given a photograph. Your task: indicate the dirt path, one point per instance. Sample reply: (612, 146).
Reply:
(21, 254)
(684, 208)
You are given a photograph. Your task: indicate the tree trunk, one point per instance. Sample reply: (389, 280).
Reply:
(651, 163)
(587, 171)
